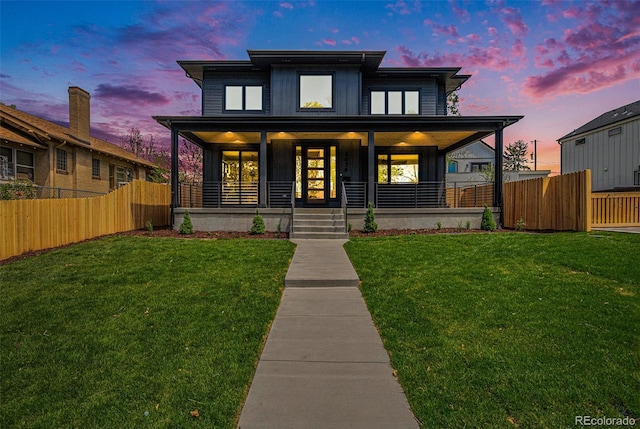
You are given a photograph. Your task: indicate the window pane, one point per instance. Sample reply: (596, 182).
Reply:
(249, 166)
(395, 102)
(233, 98)
(95, 167)
(24, 158)
(298, 172)
(61, 160)
(333, 174)
(316, 91)
(404, 168)
(452, 167)
(383, 168)
(411, 103)
(253, 98)
(377, 102)
(231, 166)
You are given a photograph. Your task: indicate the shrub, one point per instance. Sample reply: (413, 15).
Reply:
(487, 224)
(439, 225)
(17, 190)
(258, 227)
(370, 224)
(149, 225)
(186, 227)
(520, 225)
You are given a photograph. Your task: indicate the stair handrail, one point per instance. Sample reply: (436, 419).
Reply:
(293, 206)
(344, 202)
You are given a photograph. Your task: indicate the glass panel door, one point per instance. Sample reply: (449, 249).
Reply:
(316, 183)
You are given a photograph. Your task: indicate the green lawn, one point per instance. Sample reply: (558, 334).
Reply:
(136, 332)
(508, 330)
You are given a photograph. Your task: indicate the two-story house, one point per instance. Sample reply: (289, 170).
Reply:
(324, 129)
(609, 146)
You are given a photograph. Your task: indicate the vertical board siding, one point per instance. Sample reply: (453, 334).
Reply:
(612, 160)
(615, 209)
(30, 225)
(560, 203)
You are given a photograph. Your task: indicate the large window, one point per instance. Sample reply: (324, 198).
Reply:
(395, 102)
(16, 164)
(398, 168)
(240, 98)
(316, 91)
(477, 167)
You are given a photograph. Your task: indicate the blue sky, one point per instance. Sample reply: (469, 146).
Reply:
(559, 63)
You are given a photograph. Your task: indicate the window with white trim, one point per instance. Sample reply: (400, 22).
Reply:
(243, 98)
(16, 164)
(395, 102)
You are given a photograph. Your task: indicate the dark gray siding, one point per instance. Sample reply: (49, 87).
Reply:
(428, 88)
(285, 96)
(441, 108)
(281, 164)
(213, 90)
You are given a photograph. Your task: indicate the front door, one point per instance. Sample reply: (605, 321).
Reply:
(316, 174)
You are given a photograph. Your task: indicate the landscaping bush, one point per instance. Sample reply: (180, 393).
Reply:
(258, 227)
(186, 227)
(488, 223)
(370, 224)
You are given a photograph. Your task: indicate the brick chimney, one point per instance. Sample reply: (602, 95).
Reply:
(79, 112)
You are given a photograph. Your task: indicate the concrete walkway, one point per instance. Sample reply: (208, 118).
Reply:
(324, 365)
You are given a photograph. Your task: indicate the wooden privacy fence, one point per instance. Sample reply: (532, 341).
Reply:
(28, 225)
(615, 209)
(560, 203)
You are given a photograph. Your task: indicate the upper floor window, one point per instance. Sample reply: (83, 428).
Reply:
(395, 102)
(615, 131)
(241, 98)
(316, 91)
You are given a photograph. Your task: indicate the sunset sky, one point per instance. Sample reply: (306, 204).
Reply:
(559, 63)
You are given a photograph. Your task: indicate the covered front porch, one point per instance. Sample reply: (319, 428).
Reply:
(278, 164)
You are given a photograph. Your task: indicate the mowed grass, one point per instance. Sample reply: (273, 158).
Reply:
(508, 330)
(136, 332)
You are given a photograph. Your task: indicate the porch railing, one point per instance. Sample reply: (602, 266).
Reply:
(387, 195)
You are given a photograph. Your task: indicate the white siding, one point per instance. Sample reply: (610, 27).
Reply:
(612, 160)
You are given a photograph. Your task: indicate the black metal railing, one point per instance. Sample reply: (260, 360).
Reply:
(356, 193)
(353, 194)
(344, 203)
(410, 195)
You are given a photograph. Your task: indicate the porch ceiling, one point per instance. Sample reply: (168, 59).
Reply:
(441, 139)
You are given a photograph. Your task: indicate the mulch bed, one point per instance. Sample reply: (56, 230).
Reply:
(172, 233)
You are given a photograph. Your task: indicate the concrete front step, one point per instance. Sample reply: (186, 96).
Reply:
(318, 235)
(318, 228)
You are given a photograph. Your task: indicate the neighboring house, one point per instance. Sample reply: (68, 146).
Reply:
(294, 127)
(609, 146)
(51, 155)
(466, 165)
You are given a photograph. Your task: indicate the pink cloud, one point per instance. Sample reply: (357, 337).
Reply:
(444, 30)
(593, 54)
(278, 14)
(286, 5)
(583, 77)
(403, 8)
(493, 31)
(329, 42)
(461, 13)
(473, 37)
(512, 19)
(493, 57)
